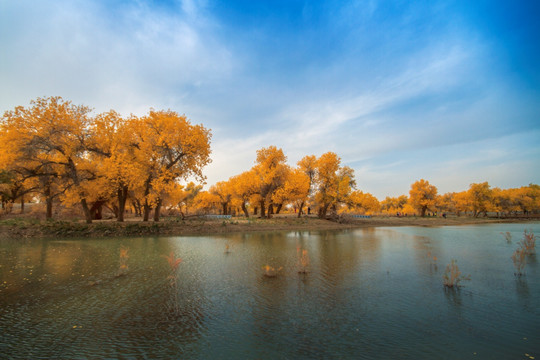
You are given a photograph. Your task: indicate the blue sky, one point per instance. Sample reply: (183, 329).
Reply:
(448, 91)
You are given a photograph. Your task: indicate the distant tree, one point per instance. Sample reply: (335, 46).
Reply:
(480, 198)
(334, 183)
(423, 196)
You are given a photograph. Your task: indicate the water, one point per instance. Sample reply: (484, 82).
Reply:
(369, 293)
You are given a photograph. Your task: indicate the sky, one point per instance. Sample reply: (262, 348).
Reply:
(447, 91)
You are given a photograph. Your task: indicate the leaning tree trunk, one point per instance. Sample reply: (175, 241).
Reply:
(244, 209)
(22, 204)
(300, 209)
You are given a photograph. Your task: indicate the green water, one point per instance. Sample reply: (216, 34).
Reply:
(368, 293)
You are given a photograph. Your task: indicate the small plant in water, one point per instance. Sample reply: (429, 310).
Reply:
(174, 262)
(507, 236)
(519, 258)
(529, 242)
(303, 262)
(124, 256)
(452, 275)
(227, 248)
(269, 271)
(173, 266)
(527, 246)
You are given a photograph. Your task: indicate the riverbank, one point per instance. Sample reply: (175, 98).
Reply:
(19, 228)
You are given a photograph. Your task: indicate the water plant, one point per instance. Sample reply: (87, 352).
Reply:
(173, 266)
(527, 246)
(508, 236)
(269, 271)
(529, 242)
(452, 275)
(174, 262)
(124, 256)
(519, 258)
(303, 262)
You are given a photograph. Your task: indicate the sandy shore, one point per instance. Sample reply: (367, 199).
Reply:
(27, 228)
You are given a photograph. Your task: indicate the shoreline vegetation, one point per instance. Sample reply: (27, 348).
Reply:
(24, 228)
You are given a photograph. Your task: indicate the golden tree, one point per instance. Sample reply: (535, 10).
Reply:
(243, 188)
(50, 139)
(480, 198)
(423, 196)
(223, 190)
(334, 183)
(167, 148)
(270, 173)
(366, 203)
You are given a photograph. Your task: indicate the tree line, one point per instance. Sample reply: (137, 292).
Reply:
(56, 152)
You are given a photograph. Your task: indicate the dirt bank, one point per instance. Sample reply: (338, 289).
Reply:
(30, 228)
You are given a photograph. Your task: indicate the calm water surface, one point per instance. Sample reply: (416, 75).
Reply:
(369, 293)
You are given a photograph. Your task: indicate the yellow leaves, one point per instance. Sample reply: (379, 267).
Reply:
(423, 196)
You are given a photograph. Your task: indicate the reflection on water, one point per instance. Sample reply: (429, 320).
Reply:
(367, 293)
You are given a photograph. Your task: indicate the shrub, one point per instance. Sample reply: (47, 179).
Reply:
(519, 258)
(452, 275)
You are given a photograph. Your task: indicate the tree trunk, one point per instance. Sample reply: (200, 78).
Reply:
(423, 212)
(146, 210)
(224, 208)
(278, 209)
(300, 209)
(322, 211)
(96, 210)
(157, 210)
(22, 204)
(263, 209)
(86, 211)
(270, 211)
(122, 198)
(49, 202)
(244, 209)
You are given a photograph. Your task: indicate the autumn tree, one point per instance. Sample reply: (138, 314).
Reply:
(423, 196)
(392, 205)
(183, 197)
(243, 188)
(269, 172)
(308, 166)
(366, 203)
(167, 148)
(480, 197)
(223, 191)
(50, 139)
(334, 183)
(295, 190)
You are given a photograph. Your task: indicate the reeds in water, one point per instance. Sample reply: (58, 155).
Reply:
(452, 275)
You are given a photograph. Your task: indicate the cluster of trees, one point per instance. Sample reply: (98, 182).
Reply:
(54, 151)
(478, 200)
(321, 184)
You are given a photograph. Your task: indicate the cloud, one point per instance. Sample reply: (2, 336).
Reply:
(131, 57)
